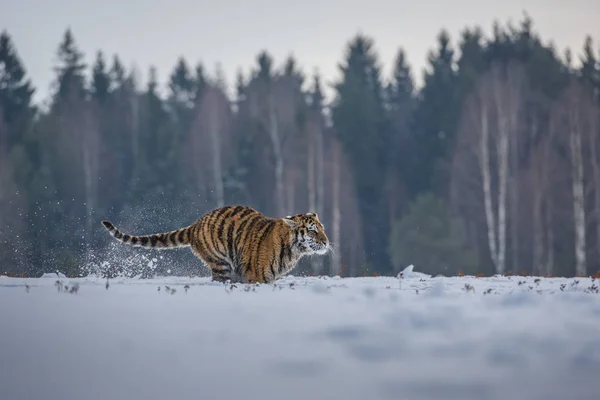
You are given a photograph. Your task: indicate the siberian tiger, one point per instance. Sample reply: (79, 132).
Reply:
(240, 244)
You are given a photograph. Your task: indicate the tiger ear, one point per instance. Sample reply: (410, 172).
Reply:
(290, 222)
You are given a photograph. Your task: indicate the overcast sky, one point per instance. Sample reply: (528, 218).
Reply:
(157, 32)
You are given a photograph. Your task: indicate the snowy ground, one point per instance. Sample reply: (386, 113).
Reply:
(304, 338)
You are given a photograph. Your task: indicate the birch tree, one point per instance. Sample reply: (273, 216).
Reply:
(542, 166)
(261, 97)
(315, 127)
(570, 109)
(400, 104)
(274, 102)
(212, 126)
(489, 122)
(11, 220)
(359, 115)
(78, 135)
(589, 77)
(315, 145)
(594, 144)
(342, 217)
(578, 187)
(335, 266)
(317, 103)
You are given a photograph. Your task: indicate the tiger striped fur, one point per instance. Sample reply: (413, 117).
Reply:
(240, 244)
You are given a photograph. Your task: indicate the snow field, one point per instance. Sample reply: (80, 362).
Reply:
(302, 338)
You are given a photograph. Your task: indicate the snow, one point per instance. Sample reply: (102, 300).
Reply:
(409, 272)
(302, 338)
(53, 275)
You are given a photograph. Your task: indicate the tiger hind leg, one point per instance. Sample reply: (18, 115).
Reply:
(221, 272)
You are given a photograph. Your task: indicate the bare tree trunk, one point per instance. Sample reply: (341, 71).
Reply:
(290, 194)
(578, 191)
(89, 147)
(506, 122)
(549, 236)
(310, 170)
(275, 135)
(538, 246)
(135, 122)
(214, 133)
(514, 196)
(596, 173)
(538, 232)
(502, 143)
(320, 169)
(197, 163)
(12, 251)
(83, 126)
(484, 165)
(540, 161)
(335, 266)
(320, 206)
(315, 177)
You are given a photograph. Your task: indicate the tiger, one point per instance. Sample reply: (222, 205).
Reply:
(240, 244)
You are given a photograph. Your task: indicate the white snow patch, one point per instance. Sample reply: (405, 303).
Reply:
(302, 338)
(53, 275)
(409, 272)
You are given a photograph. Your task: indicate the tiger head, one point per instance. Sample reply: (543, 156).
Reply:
(309, 233)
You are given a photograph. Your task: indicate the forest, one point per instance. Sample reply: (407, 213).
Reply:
(491, 166)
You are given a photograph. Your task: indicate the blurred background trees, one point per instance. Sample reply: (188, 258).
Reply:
(491, 166)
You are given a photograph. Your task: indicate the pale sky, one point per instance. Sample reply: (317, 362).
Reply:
(232, 32)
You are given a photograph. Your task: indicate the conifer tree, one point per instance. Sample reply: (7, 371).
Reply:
(117, 71)
(16, 92)
(17, 158)
(70, 70)
(472, 61)
(359, 116)
(435, 121)
(400, 103)
(589, 72)
(157, 184)
(199, 81)
(181, 85)
(101, 83)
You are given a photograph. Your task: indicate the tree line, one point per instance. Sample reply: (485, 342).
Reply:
(492, 166)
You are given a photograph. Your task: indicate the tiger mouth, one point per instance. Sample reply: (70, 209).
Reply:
(319, 248)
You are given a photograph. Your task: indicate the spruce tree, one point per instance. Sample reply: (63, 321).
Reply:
(589, 72)
(157, 182)
(181, 101)
(291, 69)
(18, 163)
(435, 121)
(100, 79)
(16, 93)
(316, 93)
(117, 72)
(359, 116)
(240, 86)
(70, 70)
(400, 104)
(199, 81)
(181, 85)
(430, 237)
(472, 61)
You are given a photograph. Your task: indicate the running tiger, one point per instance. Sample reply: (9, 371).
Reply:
(240, 244)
